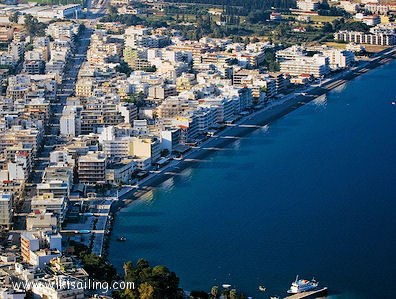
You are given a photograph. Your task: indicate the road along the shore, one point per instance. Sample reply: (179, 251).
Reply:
(254, 121)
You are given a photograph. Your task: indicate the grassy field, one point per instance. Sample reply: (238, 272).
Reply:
(324, 19)
(336, 45)
(315, 19)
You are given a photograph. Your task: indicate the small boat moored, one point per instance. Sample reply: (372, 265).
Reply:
(121, 239)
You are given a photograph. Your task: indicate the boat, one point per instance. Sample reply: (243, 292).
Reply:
(121, 239)
(302, 285)
(262, 288)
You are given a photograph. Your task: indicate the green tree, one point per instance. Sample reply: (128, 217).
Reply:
(33, 26)
(154, 282)
(124, 68)
(13, 18)
(98, 268)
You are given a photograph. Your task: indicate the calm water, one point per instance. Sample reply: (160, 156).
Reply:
(314, 194)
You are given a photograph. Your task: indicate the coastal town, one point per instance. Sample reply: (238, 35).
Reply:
(100, 99)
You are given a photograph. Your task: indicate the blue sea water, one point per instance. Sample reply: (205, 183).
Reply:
(312, 194)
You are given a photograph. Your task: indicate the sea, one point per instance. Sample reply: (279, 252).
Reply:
(311, 194)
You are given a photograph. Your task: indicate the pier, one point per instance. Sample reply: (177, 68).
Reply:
(309, 295)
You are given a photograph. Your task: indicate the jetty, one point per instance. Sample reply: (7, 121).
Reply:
(309, 295)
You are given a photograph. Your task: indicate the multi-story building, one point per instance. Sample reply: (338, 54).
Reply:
(185, 82)
(47, 202)
(17, 135)
(317, 66)
(34, 67)
(376, 8)
(6, 211)
(206, 118)
(170, 138)
(84, 87)
(58, 188)
(146, 147)
(33, 242)
(92, 168)
(308, 5)
(70, 121)
(41, 220)
(161, 92)
(136, 58)
(129, 111)
(188, 126)
(117, 148)
(292, 52)
(120, 172)
(96, 115)
(366, 38)
(339, 59)
(16, 49)
(48, 288)
(174, 106)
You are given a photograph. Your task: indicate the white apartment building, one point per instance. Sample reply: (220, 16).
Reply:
(48, 203)
(364, 38)
(206, 118)
(170, 138)
(70, 121)
(339, 59)
(292, 52)
(376, 8)
(308, 5)
(224, 107)
(117, 148)
(317, 66)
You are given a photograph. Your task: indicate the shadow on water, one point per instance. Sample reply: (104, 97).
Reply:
(143, 229)
(142, 213)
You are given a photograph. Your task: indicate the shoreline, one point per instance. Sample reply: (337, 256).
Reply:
(243, 127)
(251, 122)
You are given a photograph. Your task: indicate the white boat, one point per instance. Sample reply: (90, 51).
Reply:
(262, 288)
(302, 285)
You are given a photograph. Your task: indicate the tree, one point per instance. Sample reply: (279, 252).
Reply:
(153, 282)
(327, 28)
(124, 68)
(33, 26)
(146, 291)
(98, 268)
(164, 152)
(214, 292)
(14, 17)
(150, 69)
(111, 10)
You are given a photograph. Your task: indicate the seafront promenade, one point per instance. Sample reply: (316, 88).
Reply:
(254, 121)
